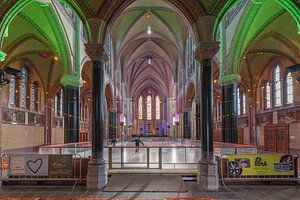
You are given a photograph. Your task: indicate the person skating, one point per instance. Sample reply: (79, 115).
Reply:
(137, 144)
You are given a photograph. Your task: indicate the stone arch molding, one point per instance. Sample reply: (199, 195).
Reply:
(10, 9)
(292, 6)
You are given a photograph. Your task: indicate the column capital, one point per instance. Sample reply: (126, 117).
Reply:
(70, 80)
(2, 56)
(206, 50)
(230, 79)
(96, 51)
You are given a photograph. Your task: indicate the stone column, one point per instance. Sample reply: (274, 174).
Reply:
(97, 172)
(252, 120)
(229, 108)
(112, 123)
(48, 120)
(198, 118)
(208, 177)
(71, 108)
(186, 123)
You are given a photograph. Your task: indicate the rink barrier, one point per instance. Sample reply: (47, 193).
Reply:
(76, 169)
(232, 170)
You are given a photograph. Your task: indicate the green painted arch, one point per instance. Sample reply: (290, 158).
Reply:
(20, 5)
(289, 5)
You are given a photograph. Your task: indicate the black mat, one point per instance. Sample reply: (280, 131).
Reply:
(145, 183)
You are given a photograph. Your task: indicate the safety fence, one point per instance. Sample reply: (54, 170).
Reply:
(153, 157)
(43, 167)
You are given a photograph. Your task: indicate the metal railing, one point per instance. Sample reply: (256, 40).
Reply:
(153, 157)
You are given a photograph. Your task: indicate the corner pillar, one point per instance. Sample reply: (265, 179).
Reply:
(207, 176)
(97, 171)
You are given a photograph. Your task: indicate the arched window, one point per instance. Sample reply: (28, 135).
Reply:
(58, 103)
(268, 96)
(24, 79)
(244, 104)
(289, 88)
(277, 86)
(149, 108)
(140, 107)
(12, 91)
(34, 97)
(238, 102)
(61, 102)
(56, 99)
(157, 105)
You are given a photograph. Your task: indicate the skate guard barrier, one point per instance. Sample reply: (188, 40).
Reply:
(43, 167)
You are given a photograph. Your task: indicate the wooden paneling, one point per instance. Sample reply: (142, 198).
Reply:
(240, 136)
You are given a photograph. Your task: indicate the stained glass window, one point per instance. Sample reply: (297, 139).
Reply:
(149, 108)
(289, 88)
(12, 91)
(238, 102)
(277, 86)
(56, 104)
(34, 97)
(244, 104)
(140, 107)
(157, 105)
(268, 95)
(61, 102)
(24, 73)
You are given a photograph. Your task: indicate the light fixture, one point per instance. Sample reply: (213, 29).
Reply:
(55, 58)
(149, 60)
(149, 29)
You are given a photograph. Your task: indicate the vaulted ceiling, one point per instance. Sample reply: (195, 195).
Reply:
(133, 46)
(35, 34)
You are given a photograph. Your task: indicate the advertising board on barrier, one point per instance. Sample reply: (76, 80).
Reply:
(261, 164)
(29, 165)
(60, 165)
(41, 165)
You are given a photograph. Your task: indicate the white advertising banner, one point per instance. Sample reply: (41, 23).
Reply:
(29, 165)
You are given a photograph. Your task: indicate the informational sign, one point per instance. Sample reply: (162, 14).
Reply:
(60, 165)
(17, 166)
(261, 164)
(29, 165)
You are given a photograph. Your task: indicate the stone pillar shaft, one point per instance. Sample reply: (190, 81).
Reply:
(98, 121)
(207, 110)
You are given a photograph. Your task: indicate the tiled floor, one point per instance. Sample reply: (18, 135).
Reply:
(259, 192)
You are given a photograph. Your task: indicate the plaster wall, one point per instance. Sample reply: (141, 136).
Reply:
(57, 136)
(260, 136)
(21, 136)
(294, 132)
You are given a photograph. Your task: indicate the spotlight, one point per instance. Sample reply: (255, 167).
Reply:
(149, 29)
(55, 58)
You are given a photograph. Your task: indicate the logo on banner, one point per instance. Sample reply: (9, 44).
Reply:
(35, 166)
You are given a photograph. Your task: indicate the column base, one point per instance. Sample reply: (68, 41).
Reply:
(208, 176)
(96, 176)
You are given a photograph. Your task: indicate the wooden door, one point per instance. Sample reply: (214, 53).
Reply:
(270, 139)
(282, 140)
(240, 136)
(277, 139)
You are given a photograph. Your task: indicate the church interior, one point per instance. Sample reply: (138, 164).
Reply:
(199, 72)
